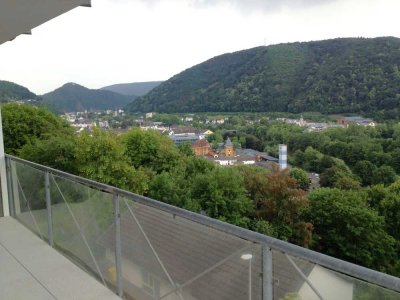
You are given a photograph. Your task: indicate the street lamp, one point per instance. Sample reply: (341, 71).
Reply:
(248, 256)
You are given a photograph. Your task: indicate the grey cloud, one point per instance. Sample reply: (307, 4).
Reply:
(247, 6)
(264, 5)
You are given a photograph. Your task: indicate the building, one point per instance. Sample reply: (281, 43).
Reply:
(317, 127)
(202, 148)
(208, 132)
(104, 124)
(185, 138)
(356, 120)
(225, 161)
(189, 135)
(229, 151)
(190, 130)
(150, 115)
(153, 126)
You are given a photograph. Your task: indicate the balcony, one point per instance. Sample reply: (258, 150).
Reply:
(139, 248)
(30, 269)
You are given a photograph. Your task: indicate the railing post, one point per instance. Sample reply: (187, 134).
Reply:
(118, 253)
(9, 187)
(14, 188)
(268, 284)
(3, 174)
(48, 208)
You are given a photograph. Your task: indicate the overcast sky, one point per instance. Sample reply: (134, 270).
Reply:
(119, 41)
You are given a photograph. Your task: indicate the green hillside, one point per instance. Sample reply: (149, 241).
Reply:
(333, 76)
(135, 88)
(10, 91)
(73, 97)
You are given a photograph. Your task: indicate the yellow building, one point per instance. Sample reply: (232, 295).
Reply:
(208, 132)
(229, 151)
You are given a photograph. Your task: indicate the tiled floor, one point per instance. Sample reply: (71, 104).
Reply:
(30, 269)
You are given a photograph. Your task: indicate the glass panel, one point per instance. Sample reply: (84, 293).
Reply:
(287, 280)
(29, 198)
(333, 284)
(366, 291)
(165, 256)
(161, 252)
(81, 217)
(237, 276)
(330, 285)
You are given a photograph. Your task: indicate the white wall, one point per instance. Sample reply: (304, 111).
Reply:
(328, 284)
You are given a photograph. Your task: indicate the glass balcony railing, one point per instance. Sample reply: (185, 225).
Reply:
(144, 249)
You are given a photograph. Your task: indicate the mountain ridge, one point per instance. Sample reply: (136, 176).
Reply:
(332, 76)
(10, 91)
(74, 97)
(134, 88)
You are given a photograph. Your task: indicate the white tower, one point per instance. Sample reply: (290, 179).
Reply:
(282, 157)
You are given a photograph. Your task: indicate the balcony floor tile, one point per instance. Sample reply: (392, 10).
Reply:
(30, 269)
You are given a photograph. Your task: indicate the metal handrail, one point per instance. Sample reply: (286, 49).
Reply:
(334, 264)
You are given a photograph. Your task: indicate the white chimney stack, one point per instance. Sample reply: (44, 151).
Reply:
(282, 157)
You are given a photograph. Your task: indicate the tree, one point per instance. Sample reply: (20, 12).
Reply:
(340, 177)
(23, 124)
(364, 169)
(301, 177)
(375, 194)
(186, 149)
(396, 160)
(390, 208)
(312, 159)
(299, 158)
(346, 227)
(102, 158)
(150, 149)
(384, 174)
(167, 119)
(58, 152)
(347, 183)
(336, 148)
(172, 189)
(255, 182)
(222, 195)
(252, 142)
(264, 227)
(387, 202)
(175, 186)
(281, 205)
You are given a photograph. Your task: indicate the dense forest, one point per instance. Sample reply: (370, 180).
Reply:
(74, 97)
(352, 75)
(10, 91)
(349, 217)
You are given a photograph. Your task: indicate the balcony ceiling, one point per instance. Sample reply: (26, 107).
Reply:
(20, 16)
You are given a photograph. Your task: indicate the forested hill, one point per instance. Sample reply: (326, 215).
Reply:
(10, 91)
(74, 97)
(332, 76)
(135, 88)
